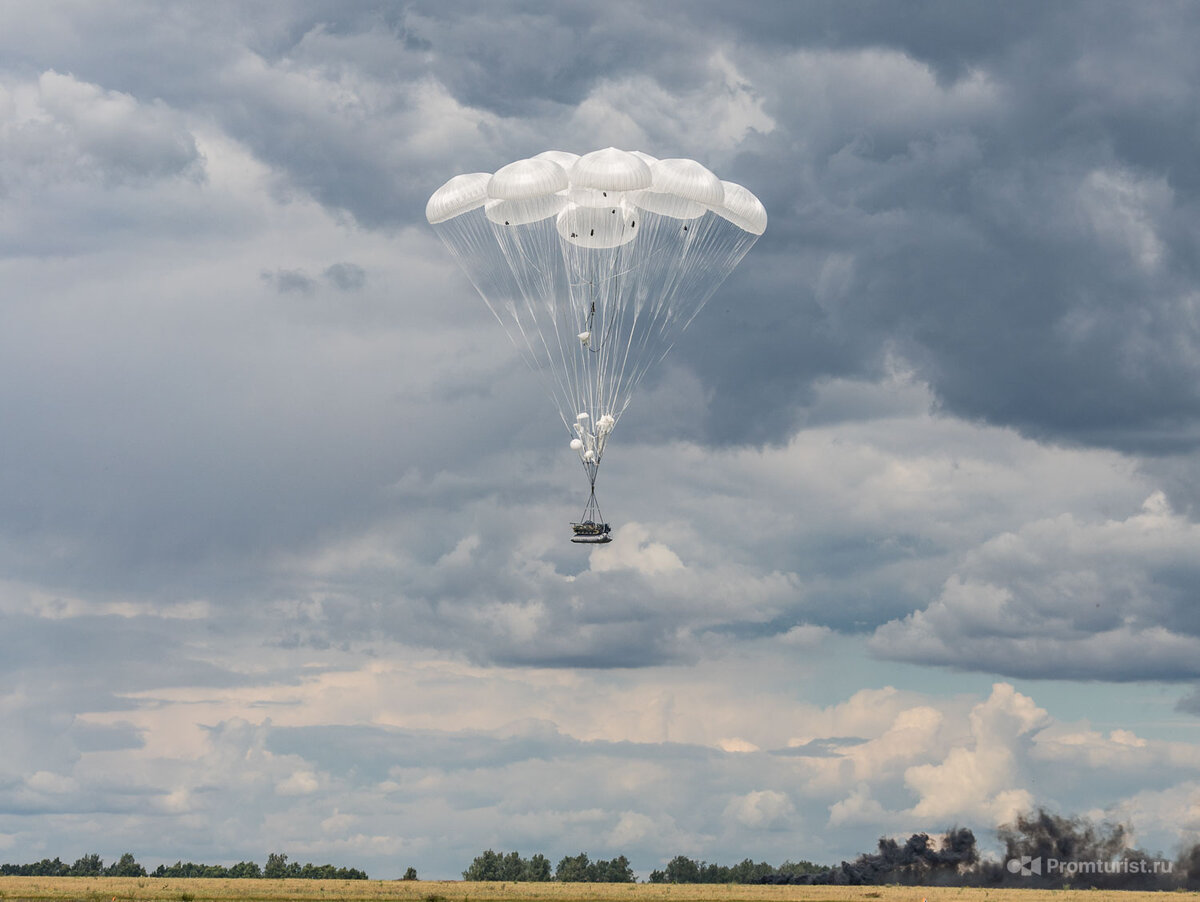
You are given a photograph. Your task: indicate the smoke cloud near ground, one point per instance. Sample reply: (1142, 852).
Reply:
(1041, 850)
(919, 860)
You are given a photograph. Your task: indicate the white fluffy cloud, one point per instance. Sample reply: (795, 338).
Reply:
(982, 781)
(761, 809)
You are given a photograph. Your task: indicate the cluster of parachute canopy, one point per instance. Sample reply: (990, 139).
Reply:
(594, 264)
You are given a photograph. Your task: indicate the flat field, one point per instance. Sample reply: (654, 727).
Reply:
(150, 889)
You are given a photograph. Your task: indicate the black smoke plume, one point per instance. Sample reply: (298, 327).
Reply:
(1047, 850)
(1041, 850)
(917, 861)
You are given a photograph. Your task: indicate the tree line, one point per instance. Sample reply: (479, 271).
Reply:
(277, 867)
(682, 869)
(511, 867)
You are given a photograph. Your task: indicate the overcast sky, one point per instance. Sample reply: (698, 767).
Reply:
(907, 528)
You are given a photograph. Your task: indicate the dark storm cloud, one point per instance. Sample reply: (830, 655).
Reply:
(1031, 251)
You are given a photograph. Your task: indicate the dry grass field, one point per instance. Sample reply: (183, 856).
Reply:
(149, 889)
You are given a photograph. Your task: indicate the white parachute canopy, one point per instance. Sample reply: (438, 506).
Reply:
(594, 264)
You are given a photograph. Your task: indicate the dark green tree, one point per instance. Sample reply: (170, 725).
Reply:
(512, 867)
(714, 873)
(276, 867)
(537, 869)
(682, 869)
(125, 867)
(574, 869)
(616, 871)
(410, 874)
(245, 869)
(486, 866)
(88, 866)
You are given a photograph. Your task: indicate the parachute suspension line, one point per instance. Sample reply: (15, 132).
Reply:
(593, 361)
(536, 287)
(663, 310)
(592, 346)
(599, 389)
(711, 245)
(617, 316)
(591, 510)
(641, 308)
(596, 346)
